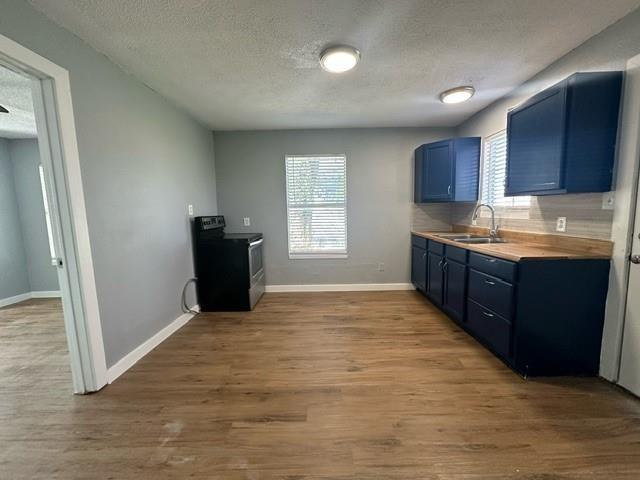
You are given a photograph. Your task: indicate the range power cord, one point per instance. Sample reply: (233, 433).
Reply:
(186, 308)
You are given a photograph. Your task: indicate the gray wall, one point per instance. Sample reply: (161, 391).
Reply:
(25, 158)
(608, 50)
(14, 278)
(251, 183)
(143, 160)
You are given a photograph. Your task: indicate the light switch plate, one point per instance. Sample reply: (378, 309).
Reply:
(190, 209)
(561, 224)
(608, 200)
(247, 221)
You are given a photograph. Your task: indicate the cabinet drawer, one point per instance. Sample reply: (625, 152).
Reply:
(491, 293)
(436, 247)
(455, 253)
(493, 266)
(419, 242)
(490, 327)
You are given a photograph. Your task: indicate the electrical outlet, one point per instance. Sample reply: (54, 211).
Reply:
(190, 209)
(561, 224)
(381, 267)
(608, 200)
(247, 221)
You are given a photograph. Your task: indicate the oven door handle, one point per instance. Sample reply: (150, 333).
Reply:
(257, 242)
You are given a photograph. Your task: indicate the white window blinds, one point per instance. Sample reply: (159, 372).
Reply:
(317, 206)
(494, 174)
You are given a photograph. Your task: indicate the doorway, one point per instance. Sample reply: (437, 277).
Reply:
(630, 354)
(624, 287)
(33, 348)
(52, 172)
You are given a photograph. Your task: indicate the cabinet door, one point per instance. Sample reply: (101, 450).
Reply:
(419, 268)
(438, 171)
(535, 144)
(455, 289)
(435, 277)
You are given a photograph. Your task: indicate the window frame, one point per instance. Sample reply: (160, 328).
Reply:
(317, 255)
(506, 211)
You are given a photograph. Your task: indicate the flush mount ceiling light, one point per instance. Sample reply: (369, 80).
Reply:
(339, 59)
(457, 95)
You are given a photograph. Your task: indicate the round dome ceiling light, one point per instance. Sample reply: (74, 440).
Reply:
(457, 95)
(339, 59)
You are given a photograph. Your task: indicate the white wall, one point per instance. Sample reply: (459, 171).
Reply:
(250, 168)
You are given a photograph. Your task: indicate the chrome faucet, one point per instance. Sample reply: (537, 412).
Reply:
(493, 233)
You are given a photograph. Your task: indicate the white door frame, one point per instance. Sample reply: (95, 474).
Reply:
(626, 187)
(61, 163)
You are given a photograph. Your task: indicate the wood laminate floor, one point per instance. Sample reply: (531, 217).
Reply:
(333, 386)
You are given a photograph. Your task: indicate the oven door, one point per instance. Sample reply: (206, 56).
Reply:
(256, 267)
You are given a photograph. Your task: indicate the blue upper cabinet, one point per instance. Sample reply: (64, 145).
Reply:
(563, 139)
(447, 171)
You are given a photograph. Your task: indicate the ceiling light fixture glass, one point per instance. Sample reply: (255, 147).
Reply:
(339, 59)
(457, 95)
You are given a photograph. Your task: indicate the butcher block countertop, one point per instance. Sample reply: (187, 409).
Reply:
(523, 246)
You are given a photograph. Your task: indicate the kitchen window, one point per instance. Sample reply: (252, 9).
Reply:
(317, 206)
(47, 213)
(494, 172)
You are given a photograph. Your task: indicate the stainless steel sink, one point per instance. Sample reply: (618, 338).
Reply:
(480, 240)
(457, 236)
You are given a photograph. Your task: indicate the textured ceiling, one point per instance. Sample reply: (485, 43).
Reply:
(15, 96)
(252, 64)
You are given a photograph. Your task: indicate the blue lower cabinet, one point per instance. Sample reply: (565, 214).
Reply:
(455, 289)
(559, 318)
(496, 267)
(435, 277)
(491, 292)
(490, 328)
(541, 317)
(419, 268)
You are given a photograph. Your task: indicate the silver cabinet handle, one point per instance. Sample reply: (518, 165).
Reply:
(490, 260)
(444, 266)
(487, 314)
(449, 190)
(489, 282)
(635, 259)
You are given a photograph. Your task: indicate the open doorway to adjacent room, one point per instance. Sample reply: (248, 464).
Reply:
(33, 346)
(50, 332)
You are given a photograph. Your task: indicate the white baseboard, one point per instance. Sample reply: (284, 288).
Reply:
(129, 360)
(339, 287)
(46, 294)
(15, 299)
(4, 302)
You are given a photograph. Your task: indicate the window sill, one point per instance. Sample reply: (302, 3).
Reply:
(317, 256)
